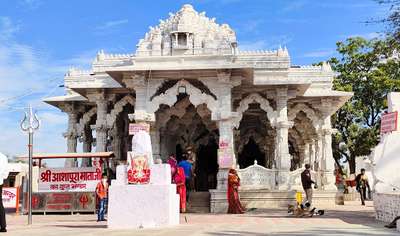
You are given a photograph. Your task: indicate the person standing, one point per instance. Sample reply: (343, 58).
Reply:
(362, 185)
(102, 194)
(179, 180)
(173, 163)
(306, 181)
(188, 169)
(235, 207)
(3, 175)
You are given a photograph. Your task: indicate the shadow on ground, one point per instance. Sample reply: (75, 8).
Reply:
(305, 233)
(81, 226)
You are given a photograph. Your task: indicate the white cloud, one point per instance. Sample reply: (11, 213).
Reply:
(268, 43)
(27, 75)
(253, 45)
(370, 35)
(111, 24)
(294, 5)
(320, 53)
(7, 28)
(30, 4)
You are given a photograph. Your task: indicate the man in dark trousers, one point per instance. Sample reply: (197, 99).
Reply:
(362, 185)
(3, 175)
(306, 181)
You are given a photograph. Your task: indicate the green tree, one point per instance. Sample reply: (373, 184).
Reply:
(370, 69)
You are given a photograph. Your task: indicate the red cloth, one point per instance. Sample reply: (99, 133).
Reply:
(174, 164)
(179, 180)
(235, 207)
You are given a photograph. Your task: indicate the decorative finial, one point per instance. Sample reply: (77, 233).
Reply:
(326, 67)
(100, 55)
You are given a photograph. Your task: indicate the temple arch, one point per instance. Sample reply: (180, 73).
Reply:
(196, 97)
(310, 113)
(254, 98)
(118, 108)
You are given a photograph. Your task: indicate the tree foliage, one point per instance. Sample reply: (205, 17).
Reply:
(370, 69)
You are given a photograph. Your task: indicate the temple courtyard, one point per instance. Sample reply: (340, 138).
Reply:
(351, 219)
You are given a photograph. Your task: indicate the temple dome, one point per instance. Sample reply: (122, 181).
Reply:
(187, 32)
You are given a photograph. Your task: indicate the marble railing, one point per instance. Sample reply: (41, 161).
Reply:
(259, 177)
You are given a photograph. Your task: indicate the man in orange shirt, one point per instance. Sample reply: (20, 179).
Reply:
(102, 193)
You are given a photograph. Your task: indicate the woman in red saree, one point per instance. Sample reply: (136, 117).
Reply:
(179, 180)
(235, 207)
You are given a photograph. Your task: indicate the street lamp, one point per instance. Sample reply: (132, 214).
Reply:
(30, 124)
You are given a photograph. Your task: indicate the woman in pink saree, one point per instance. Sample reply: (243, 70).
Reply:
(235, 207)
(174, 165)
(179, 180)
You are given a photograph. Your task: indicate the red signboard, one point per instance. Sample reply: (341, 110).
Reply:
(389, 122)
(69, 179)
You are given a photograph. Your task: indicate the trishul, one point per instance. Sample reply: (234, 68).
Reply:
(30, 122)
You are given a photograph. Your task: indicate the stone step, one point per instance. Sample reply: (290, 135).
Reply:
(199, 202)
(192, 209)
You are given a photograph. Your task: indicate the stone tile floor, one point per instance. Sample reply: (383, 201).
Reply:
(351, 219)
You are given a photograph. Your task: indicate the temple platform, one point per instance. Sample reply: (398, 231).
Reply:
(265, 199)
(151, 205)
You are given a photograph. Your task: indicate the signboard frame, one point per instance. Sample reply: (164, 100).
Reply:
(15, 199)
(389, 122)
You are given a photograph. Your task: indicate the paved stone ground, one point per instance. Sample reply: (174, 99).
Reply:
(351, 219)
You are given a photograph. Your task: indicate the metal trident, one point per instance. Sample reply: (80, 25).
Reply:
(29, 124)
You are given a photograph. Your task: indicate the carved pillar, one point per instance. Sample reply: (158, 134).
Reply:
(87, 140)
(306, 153)
(71, 134)
(302, 155)
(116, 142)
(155, 142)
(312, 153)
(101, 124)
(282, 129)
(327, 161)
(225, 122)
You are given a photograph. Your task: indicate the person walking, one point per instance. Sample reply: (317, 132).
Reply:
(362, 186)
(3, 175)
(188, 169)
(102, 194)
(306, 181)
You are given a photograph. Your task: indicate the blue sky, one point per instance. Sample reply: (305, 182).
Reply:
(41, 39)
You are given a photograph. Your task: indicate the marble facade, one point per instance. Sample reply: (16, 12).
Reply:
(191, 81)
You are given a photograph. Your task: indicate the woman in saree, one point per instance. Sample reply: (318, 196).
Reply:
(174, 164)
(179, 180)
(235, 207)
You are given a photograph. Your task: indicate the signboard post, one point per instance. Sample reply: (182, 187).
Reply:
(389, 122)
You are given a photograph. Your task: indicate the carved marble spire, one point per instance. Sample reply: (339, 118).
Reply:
(191, 31)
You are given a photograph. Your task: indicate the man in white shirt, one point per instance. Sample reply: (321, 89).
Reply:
(3, 175)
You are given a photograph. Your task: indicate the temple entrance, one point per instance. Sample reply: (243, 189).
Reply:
(254, 139)
(184, 126)
(251, 152)
(207, 166)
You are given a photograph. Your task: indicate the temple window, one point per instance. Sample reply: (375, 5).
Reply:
(180, 40)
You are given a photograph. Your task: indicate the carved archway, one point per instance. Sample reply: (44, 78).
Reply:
(118, 108)
(86, 118)
(254, 98)
(310, 113)
(196, 97)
